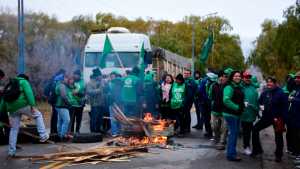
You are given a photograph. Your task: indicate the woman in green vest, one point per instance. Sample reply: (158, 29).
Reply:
(177, 97)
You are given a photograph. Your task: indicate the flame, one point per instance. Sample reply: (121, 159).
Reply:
(148, 117)
(136, 141)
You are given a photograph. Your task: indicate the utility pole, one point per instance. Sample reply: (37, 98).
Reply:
(193, 47)
(21, 43)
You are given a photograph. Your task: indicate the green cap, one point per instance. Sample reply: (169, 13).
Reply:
(228, 71)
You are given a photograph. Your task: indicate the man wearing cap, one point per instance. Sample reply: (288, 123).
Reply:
(216, 96)
(293, 118)
(94, 90)
(205, 101)
(250, 111)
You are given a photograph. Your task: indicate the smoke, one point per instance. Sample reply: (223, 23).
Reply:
(256, 71)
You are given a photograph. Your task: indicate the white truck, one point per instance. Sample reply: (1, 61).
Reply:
(125, 55)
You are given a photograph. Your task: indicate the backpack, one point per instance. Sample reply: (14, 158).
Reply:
(12, 90)
(50, 91)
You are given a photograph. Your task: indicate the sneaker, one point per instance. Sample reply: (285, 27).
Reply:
(43, 140)
(236, 159)
(220, 147)
(10, 156)
(278, 159)
(247, 151)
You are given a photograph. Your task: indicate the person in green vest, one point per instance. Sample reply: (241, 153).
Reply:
(24, 104)
(63, 106)
(233, 100)
(177, 100)
(250, 112)
(131, 92)
(77, 107)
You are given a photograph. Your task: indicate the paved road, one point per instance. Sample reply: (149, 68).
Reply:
(197, 154)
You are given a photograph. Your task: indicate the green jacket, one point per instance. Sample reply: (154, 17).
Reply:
(63, 92)
(227, 95)
(79, 93)
(26, 98)
(177, 95)
(129, 89)
(251, 96)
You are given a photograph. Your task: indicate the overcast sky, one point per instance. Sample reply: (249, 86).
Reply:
(245, 16)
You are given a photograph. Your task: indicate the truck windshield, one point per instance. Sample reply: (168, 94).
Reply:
(116, 59)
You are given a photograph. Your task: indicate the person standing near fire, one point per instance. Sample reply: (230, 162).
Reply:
(130, 93)
(4, 133)
(151, 98)
(95, 93)
(165, 88)
(177, 100)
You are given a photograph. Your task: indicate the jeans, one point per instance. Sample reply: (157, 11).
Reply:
(115, 125)
(96, 119)
(260, 125)
(53, 123)
(75, 116)
(247, 129)
(233, 124)
(15, 119)
(63, 121)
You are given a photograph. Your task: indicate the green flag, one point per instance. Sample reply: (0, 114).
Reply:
(206, 48)
(141, 64)
(107, 48)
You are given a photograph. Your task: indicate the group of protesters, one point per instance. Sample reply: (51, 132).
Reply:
(227, 103)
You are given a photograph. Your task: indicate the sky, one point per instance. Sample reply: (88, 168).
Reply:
(246, 16)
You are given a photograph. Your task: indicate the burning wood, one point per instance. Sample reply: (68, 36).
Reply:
(141, 141)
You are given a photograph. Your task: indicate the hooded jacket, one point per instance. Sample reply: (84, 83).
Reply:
(275, 103)
(26, 98)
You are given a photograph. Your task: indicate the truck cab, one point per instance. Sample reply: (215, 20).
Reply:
(126, 51)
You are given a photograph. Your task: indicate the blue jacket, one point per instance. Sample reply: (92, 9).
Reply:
(293, 117)
(191, 88)
(275, 103)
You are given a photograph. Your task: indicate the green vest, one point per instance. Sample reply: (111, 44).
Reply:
(178, 93)
(129, 89)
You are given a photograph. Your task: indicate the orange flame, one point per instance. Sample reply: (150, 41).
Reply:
(148, 117)
(135, 141)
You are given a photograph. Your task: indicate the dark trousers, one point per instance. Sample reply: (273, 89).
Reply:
(292, 140)
(187, 116)
(198, 113)
(260, 125)
(206, 113)
(4, 130)
(106, 121)
(96, 119)
(178, 115)
(75, 116)
(247, 129)
(164, 112)
(53, 122)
